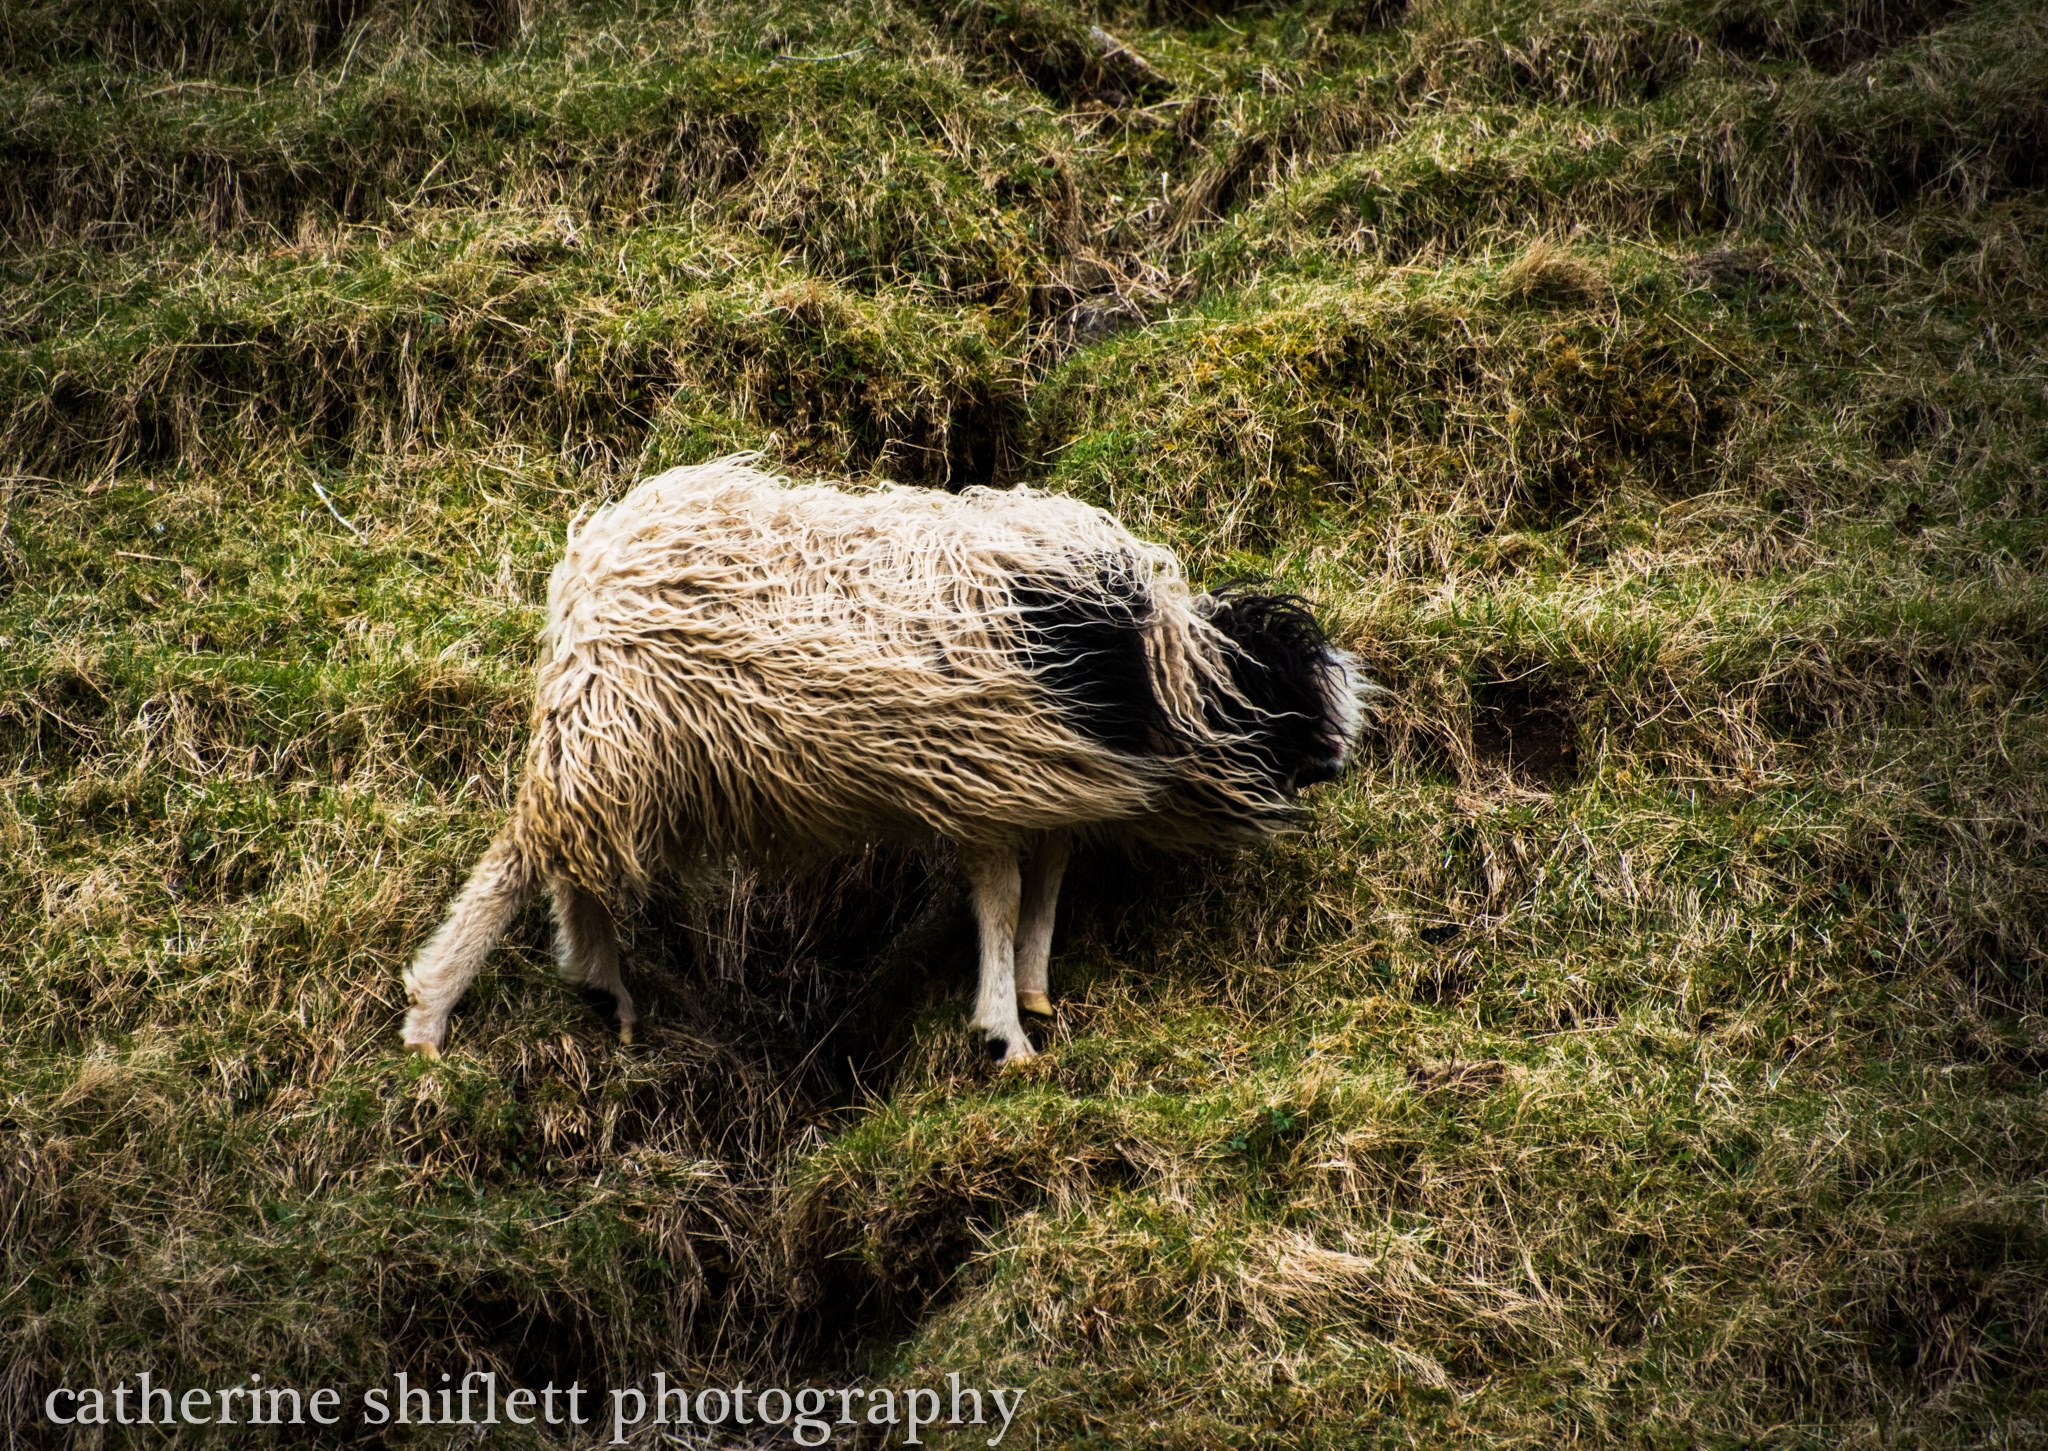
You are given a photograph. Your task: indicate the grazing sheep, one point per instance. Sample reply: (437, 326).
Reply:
(738, 666)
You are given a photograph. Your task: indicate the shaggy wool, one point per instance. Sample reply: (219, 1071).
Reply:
(738, 665)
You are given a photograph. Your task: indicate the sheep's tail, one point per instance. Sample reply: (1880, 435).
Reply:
(483, 909)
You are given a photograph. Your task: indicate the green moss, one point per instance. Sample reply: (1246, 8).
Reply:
(1329, 408)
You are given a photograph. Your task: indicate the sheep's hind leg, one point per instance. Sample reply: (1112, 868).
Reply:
(995, 885)
(587, 947)
(446, 966)
(1047, 864)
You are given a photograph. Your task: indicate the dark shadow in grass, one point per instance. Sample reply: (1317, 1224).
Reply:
(230, 41)
(1961, 1299)
(1830, 39)
(1070, 62)
(1526, 727)
(537, 1343)
(883, 1260)
(769, 1009)
(2005, 971)
(817, 974)
(2015, 1063)
(1117, 899)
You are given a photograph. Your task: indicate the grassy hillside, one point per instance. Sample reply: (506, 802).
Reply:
(1645, 1046)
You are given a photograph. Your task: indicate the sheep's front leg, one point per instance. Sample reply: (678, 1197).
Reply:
(994, 882)
(587, 948)
(1042, 875)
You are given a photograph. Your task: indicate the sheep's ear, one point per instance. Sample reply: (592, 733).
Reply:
(1279, 632)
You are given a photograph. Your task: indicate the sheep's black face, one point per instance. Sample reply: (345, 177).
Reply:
(1296, 708)
(1299, 708)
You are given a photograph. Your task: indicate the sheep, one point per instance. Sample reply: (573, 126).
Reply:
(736, 666)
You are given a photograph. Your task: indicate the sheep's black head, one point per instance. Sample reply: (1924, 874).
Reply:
(1299, 696)
(1294, 709)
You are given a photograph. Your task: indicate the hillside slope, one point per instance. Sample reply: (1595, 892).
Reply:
(1645, 1046)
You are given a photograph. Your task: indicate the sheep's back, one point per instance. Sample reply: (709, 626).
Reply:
(735, 664)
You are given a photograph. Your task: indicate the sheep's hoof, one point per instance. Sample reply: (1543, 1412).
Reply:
(1037, 1004)
(611, 1006)
(423, 1035)
(1005, 1051)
